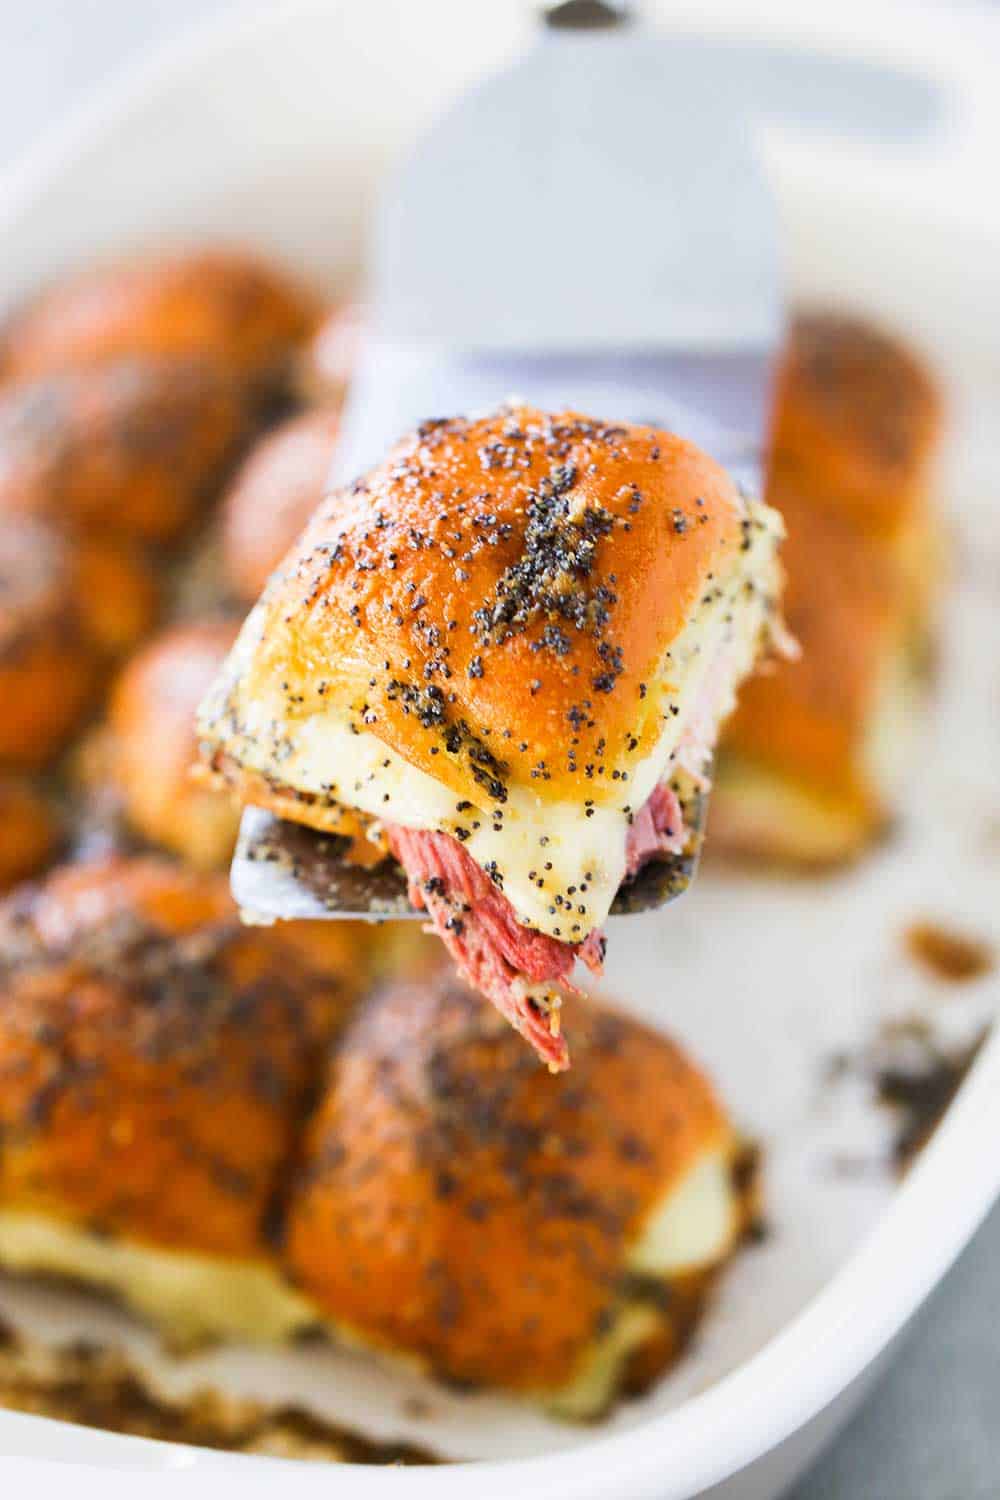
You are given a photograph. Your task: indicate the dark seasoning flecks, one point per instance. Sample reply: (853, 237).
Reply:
(551, 583)
(469, 1079)
(170, 1002)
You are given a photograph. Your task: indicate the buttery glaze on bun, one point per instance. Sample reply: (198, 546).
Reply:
(858, 416)
(130, 447)
(31, 830)
(225, 306)
(459, 1208)
(153, 743)
(67, 609)
(156, 1057)
(272, 497)
(807, 718)
(811, 756)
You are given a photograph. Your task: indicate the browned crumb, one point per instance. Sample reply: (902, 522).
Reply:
(916, 1076)
(920, 1096)
(954, 956)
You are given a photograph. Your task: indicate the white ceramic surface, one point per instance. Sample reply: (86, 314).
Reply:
(274, 129)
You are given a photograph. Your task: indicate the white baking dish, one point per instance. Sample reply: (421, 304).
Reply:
(274, 129)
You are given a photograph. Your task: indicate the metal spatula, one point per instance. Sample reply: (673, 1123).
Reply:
(588, 229)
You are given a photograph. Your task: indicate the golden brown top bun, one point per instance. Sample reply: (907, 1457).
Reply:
(273, 496)
(227, 306)
(130, 447)
(30, 830)
(495, 600)
(66, 609)
(458, 1203)
(856, 419)
(151, 713)
(843, 600)
(156, 1055)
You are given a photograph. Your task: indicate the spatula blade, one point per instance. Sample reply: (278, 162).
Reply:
(283, 871)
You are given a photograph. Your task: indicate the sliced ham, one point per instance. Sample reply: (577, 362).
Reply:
(520, 970)
(657, 828)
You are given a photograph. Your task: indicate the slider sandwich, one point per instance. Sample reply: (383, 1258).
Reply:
(501, 659)
(460, 1210)
(157, 1058)
(812, 754)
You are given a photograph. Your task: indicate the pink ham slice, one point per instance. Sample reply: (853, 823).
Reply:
(657, 828)
(493, 952)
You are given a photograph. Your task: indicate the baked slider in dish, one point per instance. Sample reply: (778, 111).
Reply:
(272, 497)
(812, 752)
(131, 446)
(228, 307)
(458, 1208)
(501, 659)
(156, 1059)
(67, 610)
(857, 417)
(151, 744)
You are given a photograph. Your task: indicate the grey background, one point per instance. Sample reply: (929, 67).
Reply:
(932, 1429)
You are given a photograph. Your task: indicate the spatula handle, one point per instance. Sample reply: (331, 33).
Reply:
(586, 15)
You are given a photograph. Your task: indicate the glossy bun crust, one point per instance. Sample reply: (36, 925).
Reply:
(130, 447)
(458, 1204)
(156, 1055)
(496, 599)
(66, 610)
(153, 743)
(273, 496)
(856, 418)
(225, 306)
(842, 603)
(856, 429)
(31, 830)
